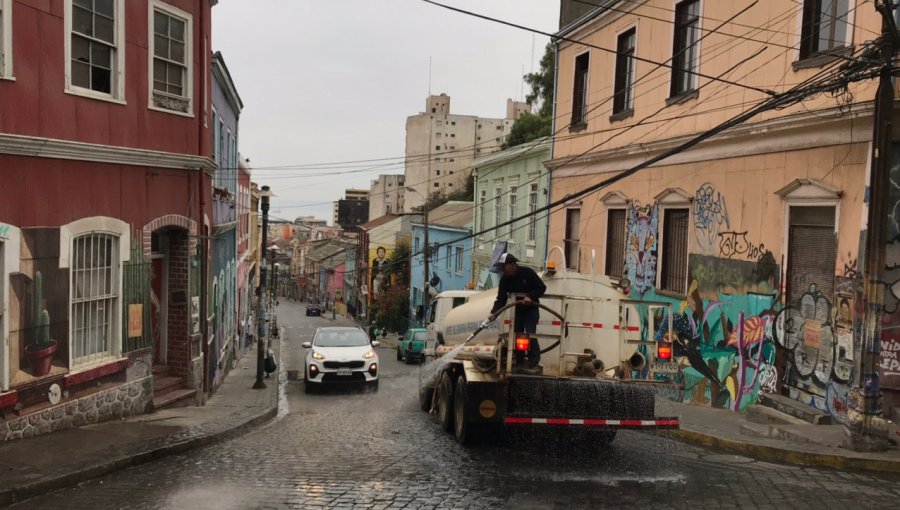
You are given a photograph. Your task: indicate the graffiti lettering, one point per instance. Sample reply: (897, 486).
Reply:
(768, 378)
(816, 356)
(640, 248)
(736, 243)
(851, 267)
(710, 214)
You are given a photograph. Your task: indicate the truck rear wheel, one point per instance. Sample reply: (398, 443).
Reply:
(466, 432)
(445, 402)
(425, 396)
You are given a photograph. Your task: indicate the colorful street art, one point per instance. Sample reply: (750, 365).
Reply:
(640, 246)
(734, 337)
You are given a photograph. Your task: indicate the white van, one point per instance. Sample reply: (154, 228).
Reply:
(441, 304)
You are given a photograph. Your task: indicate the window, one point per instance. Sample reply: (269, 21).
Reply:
(579, 91)
(94, 297)
(624, 81)
(215, 135)
(812, 251)
(513, 196)
(6, 54)
(571, 244)
(448, 255)
(170, 47)
(615, 242)
(436, 185)
(497, 194)
(675, 250)
(437, 147)
(532, 207)
(825, 26)
(453, 123)
(95, 48)
(483, 205)
(459, 259)
(416, 246)
(685, 49)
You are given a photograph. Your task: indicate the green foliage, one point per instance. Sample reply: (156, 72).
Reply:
(437, 199)
(527, 128)
(531, 126)
(392, 309)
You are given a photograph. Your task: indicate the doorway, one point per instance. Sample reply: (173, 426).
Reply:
(159, 290)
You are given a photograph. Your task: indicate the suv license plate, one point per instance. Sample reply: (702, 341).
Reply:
(345, 371)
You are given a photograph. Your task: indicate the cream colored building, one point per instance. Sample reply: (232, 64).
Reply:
(387, 195)
(440, 146)
(753, 235)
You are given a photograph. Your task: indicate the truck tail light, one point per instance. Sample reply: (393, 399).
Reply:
(664, 351)
(522, 341)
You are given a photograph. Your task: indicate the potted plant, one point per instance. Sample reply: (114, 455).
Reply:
(40, 352)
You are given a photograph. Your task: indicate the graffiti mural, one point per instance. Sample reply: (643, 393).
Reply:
(710, 215)
(641, 246)
(736, 244)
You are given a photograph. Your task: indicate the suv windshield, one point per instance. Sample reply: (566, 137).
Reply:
(348, 338)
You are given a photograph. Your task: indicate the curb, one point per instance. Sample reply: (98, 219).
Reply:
(785, 455)
(18, 494)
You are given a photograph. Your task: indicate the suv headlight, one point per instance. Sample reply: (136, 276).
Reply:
(318, 355)
(369, 355)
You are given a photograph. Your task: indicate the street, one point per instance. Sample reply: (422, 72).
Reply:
(354, 449)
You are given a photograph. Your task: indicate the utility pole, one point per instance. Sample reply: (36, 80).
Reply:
(866, 397)
(261, 336)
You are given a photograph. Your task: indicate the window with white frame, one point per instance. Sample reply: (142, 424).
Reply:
(170, 46)
(6, 55)
(513, 197)
(482, 198)
(459, 259)
(449, 260)
(532, 208)
(95, 48)
(498, 192)
(94, 267)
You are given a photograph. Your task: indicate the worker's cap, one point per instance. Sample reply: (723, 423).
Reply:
(506, 258)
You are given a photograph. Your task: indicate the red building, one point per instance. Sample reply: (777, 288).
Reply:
(105, 148)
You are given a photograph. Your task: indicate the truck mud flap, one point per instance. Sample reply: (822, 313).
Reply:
(578, 399)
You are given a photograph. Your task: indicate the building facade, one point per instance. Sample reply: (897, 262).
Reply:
(386, 196)
(349, 194)
(753, 235)
(440, 146)
(509, 184)
(100, 263)
(450, 266)
(223, 307)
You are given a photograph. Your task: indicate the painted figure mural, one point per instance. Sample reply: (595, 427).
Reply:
(640, 246)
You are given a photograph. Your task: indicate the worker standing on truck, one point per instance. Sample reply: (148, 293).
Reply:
(521, 280)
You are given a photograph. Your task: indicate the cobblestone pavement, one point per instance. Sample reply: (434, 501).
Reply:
(363, 450)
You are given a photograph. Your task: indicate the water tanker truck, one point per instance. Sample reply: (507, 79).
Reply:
(600, 351)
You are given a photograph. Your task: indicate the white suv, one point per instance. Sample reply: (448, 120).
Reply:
(340, 356)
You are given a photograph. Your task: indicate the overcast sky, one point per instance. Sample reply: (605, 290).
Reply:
(324, 81)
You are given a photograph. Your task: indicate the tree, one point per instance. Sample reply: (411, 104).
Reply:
(439, 198)
(541, 83)
(531, 126)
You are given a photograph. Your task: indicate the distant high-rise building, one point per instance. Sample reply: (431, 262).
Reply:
(387, 195)
(349, 194)
(440, 146)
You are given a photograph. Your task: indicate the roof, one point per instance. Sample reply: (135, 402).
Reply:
(452, 214)
(532, 148)
(326, 250)
(381, 220)
(221, 75)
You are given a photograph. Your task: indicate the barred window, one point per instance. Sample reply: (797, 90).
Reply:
(94, 297)
(532, 208)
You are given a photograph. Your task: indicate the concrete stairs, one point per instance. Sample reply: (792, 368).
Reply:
(778, 417)
(169, 390)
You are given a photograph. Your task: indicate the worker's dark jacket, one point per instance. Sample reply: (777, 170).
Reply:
(525, 281)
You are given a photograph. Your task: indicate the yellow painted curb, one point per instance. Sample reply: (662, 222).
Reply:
(786, 456)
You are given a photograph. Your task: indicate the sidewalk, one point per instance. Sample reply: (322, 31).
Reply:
(45, 463)
(801, 444)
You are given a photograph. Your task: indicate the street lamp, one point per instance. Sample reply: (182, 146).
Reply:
(426, 297)
(260, 331)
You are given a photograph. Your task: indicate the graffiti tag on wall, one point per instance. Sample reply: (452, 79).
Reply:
(736, 243)
(641, 245)
(710, 215)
